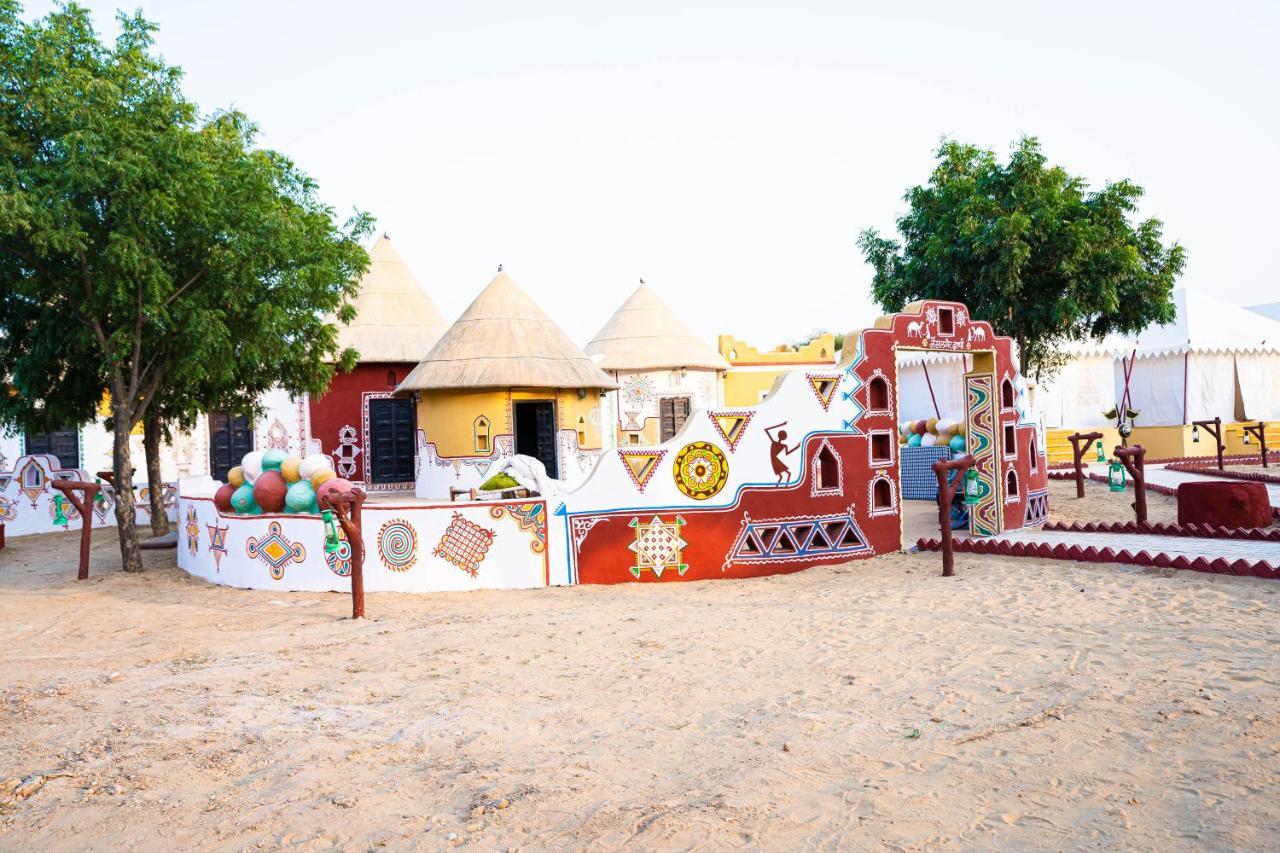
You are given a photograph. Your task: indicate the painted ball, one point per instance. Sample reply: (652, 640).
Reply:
(289, 469)
(269, 491)
(961, 428)
(300, 497)
(921, 427)
(929, 439)
(957, 443)
(944, 426)
(222, 498)
(337, 485)
(913, 441)
(321, 477)
(242, 499)
(272, 458)
(236, 476)
(931, 425)
(313, 463)
(252, 465)
(906, 427)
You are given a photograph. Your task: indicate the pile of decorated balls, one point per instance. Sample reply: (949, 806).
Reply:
(933, 431)
(273, 481)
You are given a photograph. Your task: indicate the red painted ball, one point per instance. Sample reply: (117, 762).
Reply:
(921, 427)
(222, 498)
(269, 491)
(329, 487)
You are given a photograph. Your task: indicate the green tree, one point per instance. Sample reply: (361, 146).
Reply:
(1029, 248)
(172, 259)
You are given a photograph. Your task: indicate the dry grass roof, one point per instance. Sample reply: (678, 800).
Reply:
(504, 340)
(395, 319)
(645, 334)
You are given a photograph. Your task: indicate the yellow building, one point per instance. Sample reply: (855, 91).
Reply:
(503, 380)
(752, 373)
(663, 369)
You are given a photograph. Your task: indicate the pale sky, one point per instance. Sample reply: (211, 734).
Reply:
(729, 153)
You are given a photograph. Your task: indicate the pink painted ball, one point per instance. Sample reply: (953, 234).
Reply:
(269, 491)
(337, 485)
(222, 498)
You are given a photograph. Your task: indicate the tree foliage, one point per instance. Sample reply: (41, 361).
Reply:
(147, 251)
(1029, 248)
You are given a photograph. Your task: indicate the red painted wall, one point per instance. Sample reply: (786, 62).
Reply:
(343, 405)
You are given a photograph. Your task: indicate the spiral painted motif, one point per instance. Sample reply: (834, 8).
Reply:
(397, 545)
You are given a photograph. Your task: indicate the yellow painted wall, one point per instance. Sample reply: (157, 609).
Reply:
(447, 418)
(745, 387)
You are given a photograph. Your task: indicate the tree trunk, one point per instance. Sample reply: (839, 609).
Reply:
(155, 483)
(122, 473)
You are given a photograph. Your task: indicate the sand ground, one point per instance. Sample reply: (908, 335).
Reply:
(1021, 705)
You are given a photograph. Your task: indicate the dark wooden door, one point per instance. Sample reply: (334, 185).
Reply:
(63, 443)
(391, 441)
(536, 433)
(230, 438)
(673, 412)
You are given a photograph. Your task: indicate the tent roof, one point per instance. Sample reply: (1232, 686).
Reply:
(645, 334)
(504, 340)
(1270, 310)
(1203, 324)
(395, 319)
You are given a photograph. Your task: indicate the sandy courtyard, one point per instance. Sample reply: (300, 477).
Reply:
(1021, 705)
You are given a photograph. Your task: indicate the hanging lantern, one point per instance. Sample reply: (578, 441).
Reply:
(972, 488)
(59, 517)
(99, 498)
(1195, 434)
(1115, 477)
(1246, 437)
(1125, 430)
(1102, 457)
(330, 532)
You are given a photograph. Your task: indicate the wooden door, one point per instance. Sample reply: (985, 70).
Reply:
(391, 444)
(63, 443)
(230, 438)
(536, 433)
(672, 412)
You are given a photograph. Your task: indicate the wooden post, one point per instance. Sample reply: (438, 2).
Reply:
(83, 502)
(946, 494)
(1260, 430)
(346, 507)
(1080, 444)
(1214, 428)
(1133, 460)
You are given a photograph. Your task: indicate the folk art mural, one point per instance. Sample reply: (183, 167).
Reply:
(27, 502)
(807, 477)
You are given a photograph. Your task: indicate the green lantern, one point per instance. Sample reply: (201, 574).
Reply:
(59, 517)
(99, 498)
(1102, 457)
(330, 532)
(1115, 477)
(972, 488)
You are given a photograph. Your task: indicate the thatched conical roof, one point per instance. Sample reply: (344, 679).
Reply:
(395, 319)
(645, 334)
(504, 340)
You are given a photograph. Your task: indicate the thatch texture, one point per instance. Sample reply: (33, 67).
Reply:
(504, 340)
(645, 334)
(395, 319)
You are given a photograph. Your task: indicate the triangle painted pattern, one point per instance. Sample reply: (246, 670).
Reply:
(785, 540)
(640, 465)
(824, 387)
(731, 425)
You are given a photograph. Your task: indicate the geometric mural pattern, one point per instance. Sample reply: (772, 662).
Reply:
(464, 544)
(275, 550)
(658, 546)
(781, 540)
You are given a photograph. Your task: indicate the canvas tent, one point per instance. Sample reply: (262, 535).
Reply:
(1214, 360)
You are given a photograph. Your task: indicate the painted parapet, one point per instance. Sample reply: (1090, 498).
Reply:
(810, 475)
(27, 502)
(408, 547)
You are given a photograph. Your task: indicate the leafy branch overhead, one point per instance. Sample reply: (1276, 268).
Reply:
(1030, 248)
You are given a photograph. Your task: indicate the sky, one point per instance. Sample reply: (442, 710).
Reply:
(730, 153)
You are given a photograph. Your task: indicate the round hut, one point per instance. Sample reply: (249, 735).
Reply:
(664, 370)
(503, 380)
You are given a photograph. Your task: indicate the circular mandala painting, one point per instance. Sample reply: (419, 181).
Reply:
(397, 545)
(701, 470)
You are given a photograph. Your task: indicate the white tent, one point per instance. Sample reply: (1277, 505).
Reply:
(1213, 360)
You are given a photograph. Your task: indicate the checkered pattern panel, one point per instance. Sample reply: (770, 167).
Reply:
(918, 480)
